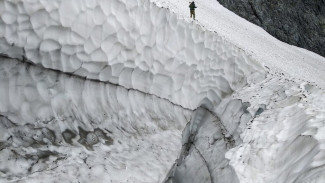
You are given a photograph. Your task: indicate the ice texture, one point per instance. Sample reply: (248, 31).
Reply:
(133, 44)
(53, 122)
(206, 139)
(101, 91)
(285, 143)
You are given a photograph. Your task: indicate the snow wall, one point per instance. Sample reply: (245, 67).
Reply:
(106, 87)
(134, 44)
(60, 127)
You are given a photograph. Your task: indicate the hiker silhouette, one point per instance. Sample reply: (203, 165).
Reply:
(192, 9)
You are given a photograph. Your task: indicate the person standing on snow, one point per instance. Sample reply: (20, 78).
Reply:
(192, 9)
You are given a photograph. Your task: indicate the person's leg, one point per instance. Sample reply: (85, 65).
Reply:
(192, 14)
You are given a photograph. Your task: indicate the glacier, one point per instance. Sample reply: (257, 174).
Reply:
(135, 91)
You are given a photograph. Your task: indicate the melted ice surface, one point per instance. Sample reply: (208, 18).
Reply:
(59, 127)
(100, 91)
(134, 44)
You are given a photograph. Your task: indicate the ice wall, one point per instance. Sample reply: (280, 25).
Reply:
(53, 123)
(134, 44)
(105, 87)
(100, 91)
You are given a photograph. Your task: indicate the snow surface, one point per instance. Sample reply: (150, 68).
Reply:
(286, 142)
(280, 56)
(100, 91)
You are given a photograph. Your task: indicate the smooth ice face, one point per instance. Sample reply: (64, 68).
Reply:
(206, 139)
(133, 44)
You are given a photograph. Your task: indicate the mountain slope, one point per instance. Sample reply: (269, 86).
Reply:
(253, 40)
(300, 23)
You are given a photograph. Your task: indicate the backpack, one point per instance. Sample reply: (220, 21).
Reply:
(192, 6)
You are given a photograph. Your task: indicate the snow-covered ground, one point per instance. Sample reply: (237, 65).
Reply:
(269, 51)
(286, 142)
(100, 91)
